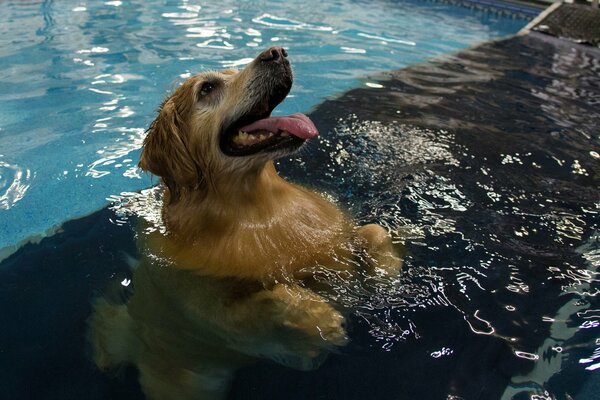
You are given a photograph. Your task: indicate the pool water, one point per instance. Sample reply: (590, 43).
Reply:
(483, 164)
(80, 81)
(487, 167)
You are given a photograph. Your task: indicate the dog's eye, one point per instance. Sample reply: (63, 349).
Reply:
(206, 88)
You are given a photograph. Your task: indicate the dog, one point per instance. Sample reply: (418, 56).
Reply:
(230, 278)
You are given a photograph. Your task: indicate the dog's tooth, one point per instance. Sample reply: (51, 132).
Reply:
(284, 134)
(240, 137)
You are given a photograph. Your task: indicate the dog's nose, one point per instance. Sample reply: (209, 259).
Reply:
(275, 54)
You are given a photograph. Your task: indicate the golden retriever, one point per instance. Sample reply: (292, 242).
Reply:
(228, 280)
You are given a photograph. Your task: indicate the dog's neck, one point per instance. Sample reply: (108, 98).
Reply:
(254, 186)
(251, 226)
(236, 194)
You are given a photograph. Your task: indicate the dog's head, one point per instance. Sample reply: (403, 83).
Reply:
(219, 123)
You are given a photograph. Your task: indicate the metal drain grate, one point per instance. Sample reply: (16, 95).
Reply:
(577, 22)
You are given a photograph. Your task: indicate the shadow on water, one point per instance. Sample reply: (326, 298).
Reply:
(485, 165)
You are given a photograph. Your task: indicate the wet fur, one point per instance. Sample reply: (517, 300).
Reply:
(224, 284)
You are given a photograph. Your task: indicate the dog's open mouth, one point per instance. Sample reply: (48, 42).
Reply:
(268, 134)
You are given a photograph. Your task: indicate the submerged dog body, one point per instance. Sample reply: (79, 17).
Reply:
(229, 277)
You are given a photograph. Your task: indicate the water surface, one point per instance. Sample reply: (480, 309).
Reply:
(80, 81)
(485, 167)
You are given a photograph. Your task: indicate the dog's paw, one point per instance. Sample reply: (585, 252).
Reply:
(381, 253)
(303, 311)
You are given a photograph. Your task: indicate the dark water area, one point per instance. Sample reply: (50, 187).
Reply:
(484, 165)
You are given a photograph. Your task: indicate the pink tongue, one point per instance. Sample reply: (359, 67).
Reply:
(298, 125)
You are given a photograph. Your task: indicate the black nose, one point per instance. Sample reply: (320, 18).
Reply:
(276, 54)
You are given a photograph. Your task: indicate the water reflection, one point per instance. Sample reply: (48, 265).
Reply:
(129, 140)
(14, 183)
(187, 334)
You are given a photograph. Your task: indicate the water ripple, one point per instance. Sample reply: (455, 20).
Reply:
(386, 39)
(130, 140)
(14, 183)
(273, 21)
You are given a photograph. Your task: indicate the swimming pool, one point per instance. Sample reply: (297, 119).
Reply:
(80, 81)
(485, 165)
(498, 298)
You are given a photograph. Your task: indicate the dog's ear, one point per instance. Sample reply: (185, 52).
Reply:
(165, 151)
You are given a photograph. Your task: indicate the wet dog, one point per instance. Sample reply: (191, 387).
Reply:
(229, 277)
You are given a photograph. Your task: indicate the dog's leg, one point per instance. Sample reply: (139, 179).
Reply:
(111, 335)
(302, 309)
(161, 381)
(381, 252)
(302, 320)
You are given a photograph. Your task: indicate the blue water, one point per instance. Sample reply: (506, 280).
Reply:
(80, 81)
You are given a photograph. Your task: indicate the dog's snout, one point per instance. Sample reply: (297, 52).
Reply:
(273, 54)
